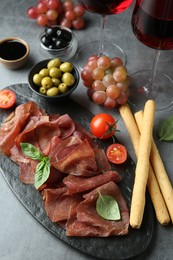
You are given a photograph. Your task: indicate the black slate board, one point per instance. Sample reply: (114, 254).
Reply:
(118, 248)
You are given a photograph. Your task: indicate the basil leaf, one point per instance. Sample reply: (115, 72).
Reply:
(42, 172)
(31, 151)
(107, 207)
(166, 130)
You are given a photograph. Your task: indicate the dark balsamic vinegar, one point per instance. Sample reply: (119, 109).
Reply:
(12, 50)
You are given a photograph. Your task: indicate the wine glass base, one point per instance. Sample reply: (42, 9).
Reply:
(141, 90)
(92, 48)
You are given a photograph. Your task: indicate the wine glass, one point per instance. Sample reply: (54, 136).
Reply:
(102, 46)
(152, 24)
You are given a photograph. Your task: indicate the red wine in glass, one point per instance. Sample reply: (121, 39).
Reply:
(105, 7)
(152, 23)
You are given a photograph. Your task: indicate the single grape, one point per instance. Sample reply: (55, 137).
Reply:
(42, 8)
(99, 97)
(103, 62)
(120, 74)
(93, 57)
(78, 23)
(66, 23)
(122, 99)
(52, 14)
(32, 12)
(70, 15)
(108, 80)
(113, 91)
(98, 85)
(79, 10)
(110, 103)
(42, 20)
(68, 5)
(116, 62)
(53, 4)
(125, 84)
(88, 83)
(86, 75)
(92, 64)
(98, 73)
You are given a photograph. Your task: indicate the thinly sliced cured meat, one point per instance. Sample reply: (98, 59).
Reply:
(78, 158)
(87, 214)
(77, 184)
(60, 206)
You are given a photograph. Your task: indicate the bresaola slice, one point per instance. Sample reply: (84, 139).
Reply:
(89, 223)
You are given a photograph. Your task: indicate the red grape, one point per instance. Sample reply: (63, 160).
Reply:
(42, 8)
(110, 103)
(68, 5)
(113, 91)
(53, 4)
(98, 85)
(99, 97)
(78, 23)
(116, 62)
(109, 80)
(103, 62)
(42, 19)
(98, 73)
(70, 15)
(79, 10)
(52, 14)
(66, 23)
(32, 12)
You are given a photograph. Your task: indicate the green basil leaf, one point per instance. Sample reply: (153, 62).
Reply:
(107, 207)
(166, 130)
(31, 151)
(42, 172)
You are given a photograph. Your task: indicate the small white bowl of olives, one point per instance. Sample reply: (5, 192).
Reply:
(53, 79)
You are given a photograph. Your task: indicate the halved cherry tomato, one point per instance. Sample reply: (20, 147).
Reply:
(103, 126)
(7, 98)
(116, 153)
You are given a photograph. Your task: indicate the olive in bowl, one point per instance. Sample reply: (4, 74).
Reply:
(53, 79)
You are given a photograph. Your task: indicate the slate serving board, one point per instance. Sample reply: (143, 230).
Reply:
(123, 247)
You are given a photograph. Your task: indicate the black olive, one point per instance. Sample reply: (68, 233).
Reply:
(63, 34)
(61, 44)
(46, 40)
(50, 31)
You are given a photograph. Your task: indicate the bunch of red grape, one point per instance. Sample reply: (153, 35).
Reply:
(107, 81)
(56, 12)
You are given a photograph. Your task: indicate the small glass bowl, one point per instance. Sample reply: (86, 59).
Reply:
(66, 53)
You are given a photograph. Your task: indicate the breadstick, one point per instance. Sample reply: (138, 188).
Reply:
(160, 172)
(142, 166)
(152, 185)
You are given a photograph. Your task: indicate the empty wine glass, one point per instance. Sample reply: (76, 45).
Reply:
(101, 46)
(152, 24)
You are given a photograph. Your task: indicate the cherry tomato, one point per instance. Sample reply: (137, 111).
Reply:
(116, 153)
(7, 98)
(103, 126)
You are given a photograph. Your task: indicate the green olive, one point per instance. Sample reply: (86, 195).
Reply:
(44, 72)
(43, 90)
(55, 72)
(52, 91)
(63, 88)
(54, 63)
(56, 82)
(46, 82)
(37, 78)
(68, 79)
(66, 67)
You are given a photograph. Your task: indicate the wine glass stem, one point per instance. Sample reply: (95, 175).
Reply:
(101, 44)
(154, 69)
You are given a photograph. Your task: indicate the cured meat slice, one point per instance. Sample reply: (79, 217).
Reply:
(87, 215)
(72, 156)
(60, 206)
(66, 125)
(77, 184)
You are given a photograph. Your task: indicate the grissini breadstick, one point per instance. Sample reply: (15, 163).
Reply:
(160, 172)
(142, 166)
(152, 185)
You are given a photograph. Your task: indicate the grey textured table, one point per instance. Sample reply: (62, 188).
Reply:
(21, 236)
